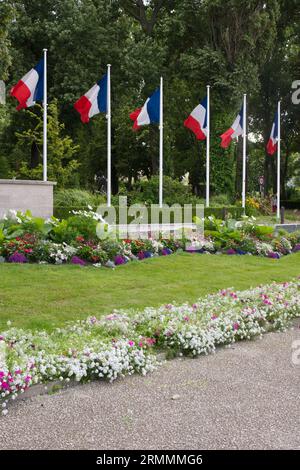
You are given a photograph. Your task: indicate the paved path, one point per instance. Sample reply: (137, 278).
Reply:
(244, 397)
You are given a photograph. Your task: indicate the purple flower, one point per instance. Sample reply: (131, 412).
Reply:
(296, 248)
(119, 260)
(166, 251)
(147, 254)
(141, 255)
(231, 251)
(17, 258)
(273, 254)
(77, 260)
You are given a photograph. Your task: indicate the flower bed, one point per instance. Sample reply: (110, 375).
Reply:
(25, 239)
(125, 342)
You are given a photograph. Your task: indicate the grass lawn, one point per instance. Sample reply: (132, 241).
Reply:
(291, 217)
(43, 296)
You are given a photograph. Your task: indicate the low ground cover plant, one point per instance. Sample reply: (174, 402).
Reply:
(127, 342)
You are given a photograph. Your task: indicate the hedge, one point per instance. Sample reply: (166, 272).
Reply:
(219, 212)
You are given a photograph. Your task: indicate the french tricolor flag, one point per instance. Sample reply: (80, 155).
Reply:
(149, 113)
(273, 140)
(94, 101)
(30, 88)
(197, 120)
(235, 130)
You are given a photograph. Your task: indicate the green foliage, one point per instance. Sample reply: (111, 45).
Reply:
(16, 226)
(263, 231)
(62, 166)
(67, 200)
(67, 230)
(146, 191)
(6, 15)
(251, 47)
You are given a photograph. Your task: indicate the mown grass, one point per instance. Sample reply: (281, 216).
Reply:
(43, 296)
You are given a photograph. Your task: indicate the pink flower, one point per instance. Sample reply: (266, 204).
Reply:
(236, 326)
(131, 343)
(150, 341)
(186, 318)
(214, 317)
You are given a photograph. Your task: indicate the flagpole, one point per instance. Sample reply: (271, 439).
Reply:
(161, 143)
(244, 152)
(108, 137)
(208, 147)
(45, 105)
(278, 161)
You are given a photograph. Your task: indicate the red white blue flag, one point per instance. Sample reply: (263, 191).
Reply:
(197, 120)
(234, 131)
(149, 113)
(94, 101)
(30, 88)
(273, 140)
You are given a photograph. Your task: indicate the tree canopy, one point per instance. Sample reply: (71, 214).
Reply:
(236, 46)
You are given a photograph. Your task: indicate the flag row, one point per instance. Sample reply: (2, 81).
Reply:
(30, 90)
(33, 87)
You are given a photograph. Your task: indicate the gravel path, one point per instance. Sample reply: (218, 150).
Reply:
(245, 397)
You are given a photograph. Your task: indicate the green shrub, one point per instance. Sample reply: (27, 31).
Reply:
(67, 200)
(235, 212)
(147, 192)
(231, 212)
(75, 226)
(220, 200)
(13, 227)
(263, 231)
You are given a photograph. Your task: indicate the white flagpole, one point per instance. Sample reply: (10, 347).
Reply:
(161, 144)
(244, 152)
(278, 162)
(45, 105)
(108, 138)
(208, 147)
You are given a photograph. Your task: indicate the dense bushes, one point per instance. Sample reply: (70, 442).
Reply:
(144, 192)
(67, 200)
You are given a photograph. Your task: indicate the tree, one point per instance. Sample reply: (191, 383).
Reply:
(6, 16)
(62, 166)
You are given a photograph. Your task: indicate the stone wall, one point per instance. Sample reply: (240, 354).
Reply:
(36, 196)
